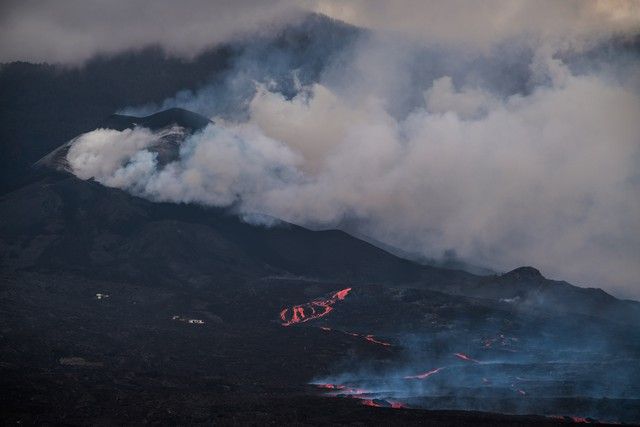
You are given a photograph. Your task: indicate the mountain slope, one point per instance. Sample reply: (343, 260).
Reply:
(60, 223)
(98, 288)
(64, 223)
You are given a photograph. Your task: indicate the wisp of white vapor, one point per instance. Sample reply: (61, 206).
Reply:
(549, 178)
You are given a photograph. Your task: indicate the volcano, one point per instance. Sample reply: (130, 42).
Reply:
(262, 213)
(176, 123)
(190, 312)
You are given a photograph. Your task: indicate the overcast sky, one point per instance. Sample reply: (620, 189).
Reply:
(71, 31)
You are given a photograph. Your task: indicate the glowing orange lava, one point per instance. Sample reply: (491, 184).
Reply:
(581, 420)
(465, 357)
(340, 390)
(342, 294)
(331, 386)
(371, 338)
(343, 389)
(383, 404)
(311, 310)
(424, 375)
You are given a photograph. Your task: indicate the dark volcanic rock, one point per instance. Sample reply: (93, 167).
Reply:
(61, 223)
(177, 123)
(173, 116)
(65, 224)
(125, 359)
(118, 310)
(523, 273)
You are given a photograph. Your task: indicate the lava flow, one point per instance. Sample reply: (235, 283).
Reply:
(370, 402)
(371, 338)
(340, 390)
(343, 389)
(311, 310)
(580, 420)
(379, 403)
(465, 357)
(423, 375)
(331, 386)
(427, 374)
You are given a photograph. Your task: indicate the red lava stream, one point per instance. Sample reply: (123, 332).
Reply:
(361, 395)
(423, 375)
(312, 310)
(319, 308)
(371, 338)
(427, 374)
(465, 357)
(573, 419)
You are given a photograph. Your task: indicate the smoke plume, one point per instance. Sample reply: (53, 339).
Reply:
(525, 152)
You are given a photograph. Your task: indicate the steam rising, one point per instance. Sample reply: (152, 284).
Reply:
(218, 166)
(508, 157)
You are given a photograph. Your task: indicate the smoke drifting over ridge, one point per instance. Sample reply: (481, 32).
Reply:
(508, 156)
(77, 30)
(573, 22)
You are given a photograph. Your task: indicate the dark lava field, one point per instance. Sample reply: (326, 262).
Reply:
(116, 310)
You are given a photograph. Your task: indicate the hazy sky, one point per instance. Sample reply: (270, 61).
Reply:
(74, 30)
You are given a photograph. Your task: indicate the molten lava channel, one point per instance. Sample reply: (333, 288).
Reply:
(464, 357)
(423, 375)
(369, 337)
(341, 390)
(312, 310)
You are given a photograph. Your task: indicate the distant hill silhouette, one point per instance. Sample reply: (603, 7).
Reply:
(167, 147)
(162, 119)
(61, 223)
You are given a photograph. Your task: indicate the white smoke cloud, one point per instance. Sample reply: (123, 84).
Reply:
(547, 179)
(468, 103)
(483, 24)
(102, 152)
(219, 166)
(451, 126)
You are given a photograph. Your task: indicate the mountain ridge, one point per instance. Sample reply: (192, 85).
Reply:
(63, 223)
(284, 249)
